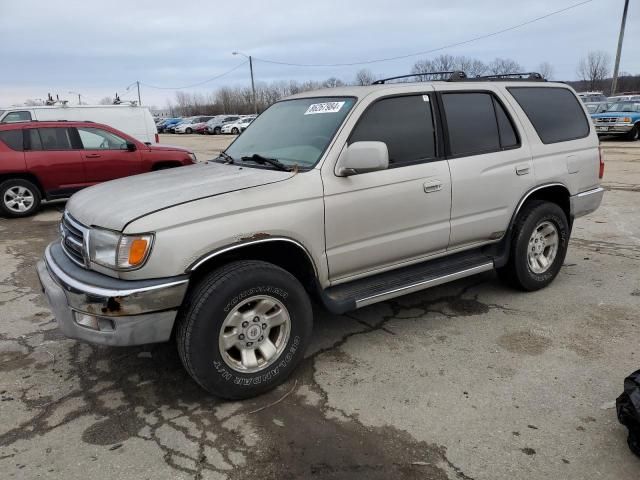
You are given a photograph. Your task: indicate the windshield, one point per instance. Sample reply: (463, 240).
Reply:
(624, 107)
(294, 131)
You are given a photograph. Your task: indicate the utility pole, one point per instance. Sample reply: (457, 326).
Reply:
(79, 101)
(139, 99)
(614, 83)
(253, 86)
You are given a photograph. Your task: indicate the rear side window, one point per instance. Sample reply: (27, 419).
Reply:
(555, 113)
(17, 117)
(405, 124)
(12, 139)
(508, 136)
(33, 137)
(55, 138)
(471, 123)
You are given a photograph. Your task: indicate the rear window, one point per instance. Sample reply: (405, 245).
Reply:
(12, 139)
(555, 113)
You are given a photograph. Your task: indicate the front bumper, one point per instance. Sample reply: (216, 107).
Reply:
(112, 311)
(586, 202)
(613, 129)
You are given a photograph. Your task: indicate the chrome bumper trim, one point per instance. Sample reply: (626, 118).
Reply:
(586, 202)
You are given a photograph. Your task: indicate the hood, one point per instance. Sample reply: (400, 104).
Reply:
(114, 204)
(163, 147)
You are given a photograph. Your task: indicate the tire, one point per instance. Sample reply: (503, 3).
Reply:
(525, 268)
(217, 130)
(188, 131)
(226, 300)
(633, 134)
(235, 131)
(19, 198)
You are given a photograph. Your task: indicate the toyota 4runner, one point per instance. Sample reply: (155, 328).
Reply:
(350, 196)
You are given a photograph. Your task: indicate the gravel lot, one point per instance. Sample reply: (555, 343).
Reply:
(465, 381)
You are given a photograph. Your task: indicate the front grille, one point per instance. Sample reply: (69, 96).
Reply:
(607, 120)
(73, 239)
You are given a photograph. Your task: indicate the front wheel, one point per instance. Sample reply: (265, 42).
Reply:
(235, 131)
(633, 134)
(19, 198)
(539, 246)
(188, 131)
(244, 329)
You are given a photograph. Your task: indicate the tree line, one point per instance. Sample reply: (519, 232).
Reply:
(593, 71)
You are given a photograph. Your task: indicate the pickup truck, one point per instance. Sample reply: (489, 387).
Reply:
(621, 119)
(346, 196)
(51, 160)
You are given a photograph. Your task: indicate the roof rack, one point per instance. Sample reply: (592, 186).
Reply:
(526, 76)
(451, 76)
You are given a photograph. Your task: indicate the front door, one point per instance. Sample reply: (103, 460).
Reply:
(381, 219)
(106, 156)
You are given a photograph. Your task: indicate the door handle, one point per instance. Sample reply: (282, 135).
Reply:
(92, 155)
(433, 186)
(522, 170)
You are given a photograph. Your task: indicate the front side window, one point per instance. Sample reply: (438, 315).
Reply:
(625, 107)
(98, 139)
(55, 138)
(405, 124)
(12, 139)
(13, 117)
(295, 132)
(554, 112)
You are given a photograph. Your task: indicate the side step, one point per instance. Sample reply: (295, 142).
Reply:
(394, 283)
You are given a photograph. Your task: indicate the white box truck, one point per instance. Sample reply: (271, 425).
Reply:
(132, 119)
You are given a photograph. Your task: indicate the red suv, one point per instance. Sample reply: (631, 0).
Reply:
(50, 160)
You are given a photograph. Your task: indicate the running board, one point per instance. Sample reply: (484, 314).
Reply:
(394, 283)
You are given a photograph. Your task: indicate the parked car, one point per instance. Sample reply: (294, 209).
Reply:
(592, 97)
(624, 98)
(188, 125)
(214, 126)
(621, 119)
(171, 128)
(168, 123)
(51, 160)
(597, 107)
(128, 118)
(237, 127)
(200, 128)
(353, 195)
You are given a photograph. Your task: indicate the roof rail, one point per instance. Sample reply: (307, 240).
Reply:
(526, 76)
(451, 76)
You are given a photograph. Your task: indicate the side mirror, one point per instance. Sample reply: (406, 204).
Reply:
(363, 157)
(131, 147)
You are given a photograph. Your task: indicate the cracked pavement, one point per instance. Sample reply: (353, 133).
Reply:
(468, 380)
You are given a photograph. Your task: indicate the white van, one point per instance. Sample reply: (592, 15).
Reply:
(132, 119)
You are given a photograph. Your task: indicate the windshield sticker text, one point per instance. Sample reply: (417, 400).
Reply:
(328, 107)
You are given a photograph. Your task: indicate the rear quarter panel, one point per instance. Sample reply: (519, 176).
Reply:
(574, 163)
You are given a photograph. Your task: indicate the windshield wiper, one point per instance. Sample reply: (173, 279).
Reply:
(225, 156)
(259, 159)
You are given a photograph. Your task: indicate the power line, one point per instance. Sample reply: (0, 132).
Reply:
(195, 84)
(425, 52)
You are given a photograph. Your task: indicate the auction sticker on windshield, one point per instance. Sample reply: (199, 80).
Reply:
(328, 107)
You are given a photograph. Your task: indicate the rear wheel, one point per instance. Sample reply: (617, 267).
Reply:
(188, 131)
(217, 130)
(19, 198)
(244, 329)
(539, 245)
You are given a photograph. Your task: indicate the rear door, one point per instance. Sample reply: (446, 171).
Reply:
(491, 167)
(53, 156)
(106, 156)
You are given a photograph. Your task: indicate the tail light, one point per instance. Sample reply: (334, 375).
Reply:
(601, 172)
(157, 138)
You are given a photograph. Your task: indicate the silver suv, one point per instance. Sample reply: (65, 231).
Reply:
(349, 196)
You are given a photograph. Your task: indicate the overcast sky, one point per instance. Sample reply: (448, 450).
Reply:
(98, 48)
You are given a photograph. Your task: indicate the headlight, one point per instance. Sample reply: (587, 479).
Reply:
(626, 119)
(119, 252)
(193, 157)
